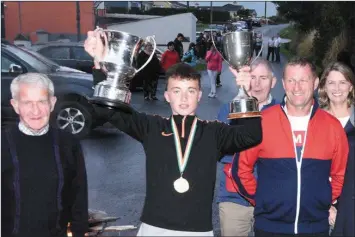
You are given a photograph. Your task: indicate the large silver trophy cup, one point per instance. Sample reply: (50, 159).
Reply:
(119, 61)
(237, 51)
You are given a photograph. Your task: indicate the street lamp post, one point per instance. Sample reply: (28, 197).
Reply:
(211, 14)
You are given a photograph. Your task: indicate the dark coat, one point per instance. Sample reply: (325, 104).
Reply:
(345, 221)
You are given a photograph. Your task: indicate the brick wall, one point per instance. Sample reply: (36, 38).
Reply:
(53, 17)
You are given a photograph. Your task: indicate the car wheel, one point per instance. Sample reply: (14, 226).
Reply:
(74, 118)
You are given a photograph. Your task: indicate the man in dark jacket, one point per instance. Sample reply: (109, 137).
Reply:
(178, 44)
(43, 176)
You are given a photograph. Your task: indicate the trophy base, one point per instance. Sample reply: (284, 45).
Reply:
(111, 104)
(251, 114)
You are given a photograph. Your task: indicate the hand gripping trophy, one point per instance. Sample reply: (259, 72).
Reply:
(237, 51)
(117, 51)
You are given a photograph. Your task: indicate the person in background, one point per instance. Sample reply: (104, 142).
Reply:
(190, 56)
(170, 57)
(270, 49)
(201, 43)
(235, 212)
(277, 44)
(214, 66)
(302, 147)
(178, 44)
(43, 174)
(150, 73)
(336, 95)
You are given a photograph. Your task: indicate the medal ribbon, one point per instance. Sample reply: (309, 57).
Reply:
(182, 159)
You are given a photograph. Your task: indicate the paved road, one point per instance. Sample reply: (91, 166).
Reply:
(115, 162)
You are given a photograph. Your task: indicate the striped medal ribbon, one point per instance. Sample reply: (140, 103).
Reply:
(181, 185)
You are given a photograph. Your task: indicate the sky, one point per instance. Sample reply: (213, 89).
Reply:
(259, 7)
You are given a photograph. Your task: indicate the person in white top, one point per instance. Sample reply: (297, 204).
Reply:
(270, 49)
(277, 43)
(336, 96)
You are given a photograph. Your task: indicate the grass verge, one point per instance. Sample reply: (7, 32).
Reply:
(288, 33)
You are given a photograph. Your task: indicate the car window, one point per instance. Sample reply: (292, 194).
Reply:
(56, 52)
(5, 64)
(25, 58)
(79, 53)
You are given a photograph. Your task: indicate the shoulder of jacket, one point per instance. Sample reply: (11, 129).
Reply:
(271, 111)
(216, 121)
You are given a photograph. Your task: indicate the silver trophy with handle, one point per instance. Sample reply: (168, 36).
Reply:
(121, 50)
(237, 51)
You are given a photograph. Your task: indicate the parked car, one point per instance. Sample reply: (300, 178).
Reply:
(71, 54)
(72, 88)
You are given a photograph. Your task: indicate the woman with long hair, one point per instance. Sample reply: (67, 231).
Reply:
(336, 96)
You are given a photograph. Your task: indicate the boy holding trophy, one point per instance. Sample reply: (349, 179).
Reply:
(181, 151)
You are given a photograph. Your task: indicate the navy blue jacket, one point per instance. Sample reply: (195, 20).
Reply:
(344, 225)
(223, 194)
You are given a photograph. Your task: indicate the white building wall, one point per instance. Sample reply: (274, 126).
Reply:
(165, 29)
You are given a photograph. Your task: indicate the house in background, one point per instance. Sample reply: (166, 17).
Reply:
(56, 18)
(232, 9)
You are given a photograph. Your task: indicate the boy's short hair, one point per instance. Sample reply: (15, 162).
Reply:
(183, 71)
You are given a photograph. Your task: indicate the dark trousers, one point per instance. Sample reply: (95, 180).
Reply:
(257, 50)
(150, 85)
(270, 50)
(277, 54)
(260, 233)
(218, 79)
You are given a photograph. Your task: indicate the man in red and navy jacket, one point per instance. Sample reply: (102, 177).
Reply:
(303, 146)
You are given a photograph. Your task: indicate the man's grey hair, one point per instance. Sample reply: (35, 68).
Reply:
(262, 61)
(36, 79)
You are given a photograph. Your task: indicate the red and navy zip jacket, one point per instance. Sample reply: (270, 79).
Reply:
(293, 199)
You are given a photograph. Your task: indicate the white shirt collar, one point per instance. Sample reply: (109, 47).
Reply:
(28, 131)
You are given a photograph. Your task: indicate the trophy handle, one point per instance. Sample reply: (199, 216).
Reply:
(151, 55)
(214, 44)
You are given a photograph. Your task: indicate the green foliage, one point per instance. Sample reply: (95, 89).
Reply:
(329, 19)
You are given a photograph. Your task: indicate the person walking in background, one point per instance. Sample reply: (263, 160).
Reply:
(258, 44)
(336, 95)
(277, 43)
(150, 73)
(270, 49)
(235, 212)
(178, 44)
(214, 66)
(190, 57)
(169, 57)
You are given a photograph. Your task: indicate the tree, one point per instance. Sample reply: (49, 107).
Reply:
(329, 19)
